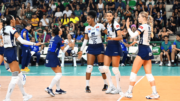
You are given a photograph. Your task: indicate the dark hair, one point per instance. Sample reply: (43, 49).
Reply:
(7, 20)
(92, 14)
(55, 31)
(166, 36)
(178, 34)
(112, 20)
(63, 18)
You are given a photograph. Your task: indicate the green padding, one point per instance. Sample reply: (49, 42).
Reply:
(132, 3)
(65, 4)
(56, 4)
(156, 50)
(86, 24)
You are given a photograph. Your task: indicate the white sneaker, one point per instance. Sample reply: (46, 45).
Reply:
(122, 64)
(117, 91)
(110, 89)
(24, 79)
(169, 64)
(160, 64)
(128, 95)
(9, 70)
(6, 100)
(27, 97)
(37, 64)
(153, 96)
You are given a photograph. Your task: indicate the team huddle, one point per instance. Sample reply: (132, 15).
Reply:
(105, 57)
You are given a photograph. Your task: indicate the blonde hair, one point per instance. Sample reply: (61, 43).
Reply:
(149, 21)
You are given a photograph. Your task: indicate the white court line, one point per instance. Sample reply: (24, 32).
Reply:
(134, 85)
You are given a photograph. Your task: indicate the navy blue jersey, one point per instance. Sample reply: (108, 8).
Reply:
(55, 44)
(27, 36)
(35, 48)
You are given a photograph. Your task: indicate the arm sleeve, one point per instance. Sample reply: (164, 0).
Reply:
(22, 41)
(84, 44)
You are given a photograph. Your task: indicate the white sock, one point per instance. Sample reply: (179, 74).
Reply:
(21, 88)
(161, 62)
(55, 80)
(20, 76)
(11, 86)
(58, 85)
(87, 83)
(105, 81)
(117, 75)
(74, 61)
(169, 61)
(63, 55)
(130, 89)
(172, 60)
(154, 89)
(108, 75)
(6, 66)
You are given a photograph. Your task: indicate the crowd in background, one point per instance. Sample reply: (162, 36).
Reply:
(70, 16)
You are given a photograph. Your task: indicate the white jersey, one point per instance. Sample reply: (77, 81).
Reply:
(94, 33)
(8, 36)
(111, 33)
(66, 41)
(145, 35)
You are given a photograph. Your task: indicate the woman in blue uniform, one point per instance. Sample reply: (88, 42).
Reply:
(9, 34)
(144, 56)
(95, 48)
(113, 53)
(55, 44)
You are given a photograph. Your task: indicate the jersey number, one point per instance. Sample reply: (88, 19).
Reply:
(94, 39)
(149, 33)
(50, 44)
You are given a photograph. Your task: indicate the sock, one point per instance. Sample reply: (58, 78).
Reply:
(117, 75)
(63, 55)
(161, 62)
(172, 60)
(21, 88)
(11, 86)
(58, 85)
(87, 83)
(154, 89)
(108, 75)
(105, 81)
(169, 61)
(7, 66)
(74, 61)
(130, 89)
(55, 80)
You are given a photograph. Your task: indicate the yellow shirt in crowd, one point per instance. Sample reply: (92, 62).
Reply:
(65, 22)
(34, 20)
(74, 20)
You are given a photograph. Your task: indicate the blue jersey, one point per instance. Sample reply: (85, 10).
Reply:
(124, 48)
(35, 48)
(27, 36)
(55, 44)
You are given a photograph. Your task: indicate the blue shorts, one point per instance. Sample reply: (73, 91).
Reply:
(95, 49)
(52, 60)
(1, 50)
(10, 54)
(69, 52)
(113, 49)
(145, 52)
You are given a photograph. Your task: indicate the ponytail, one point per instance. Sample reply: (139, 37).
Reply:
(112, 24)
(150, 22)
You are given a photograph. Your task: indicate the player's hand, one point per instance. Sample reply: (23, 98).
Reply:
(79, 54)
(109, 38)
(38, 44)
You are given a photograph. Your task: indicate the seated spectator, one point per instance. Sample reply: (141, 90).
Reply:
(100, 6)
(127, 13)
(35, 20)
(157, 25)
(36, 50)
(71, 29)
(175, 14)
(18, 26)
(120, 3)
(58, 15)
(30, 2)
(133, 28)
(60, 6)
(162, 11)
(22, 9)
(12, 9)
(120, 13)
(50, 15)
(45, 21)
(91, 5)
(161, 2)
(176, 5)
(2, 8)
(79, 36)
(154, 13)
(156, 37)
(39, 31)
(140, 2)
(136, 15)
(78, 12)
(30, 6)
(70, 6)
(150, 2)
(111, 5)
(29, 14)
(165, 50)
(74, 19)
(159, 18)
(44, 9)
(39, 13)
(172, 24)
(117, 18)
(81, 27)
(106, 9)
(139, 9)
(175, 48)
(65, 20)
(82, 5)
(164, 32)
(52, 5)
(67, 12)
(41, 5)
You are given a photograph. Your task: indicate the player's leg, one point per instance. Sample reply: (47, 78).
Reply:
(28, 60)
(107, 62)
(169, 61)
(74, 57)
(161, 59)
(135, 68)
(55, 80)
(173, 56)
(147, 67)
(115, 69)
(124, 58)
(101, 64)
(90, 62)
(1, 59)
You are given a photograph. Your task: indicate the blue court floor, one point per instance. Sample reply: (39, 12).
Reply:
(68, 70)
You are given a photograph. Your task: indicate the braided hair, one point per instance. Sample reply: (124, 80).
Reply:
(112, 21)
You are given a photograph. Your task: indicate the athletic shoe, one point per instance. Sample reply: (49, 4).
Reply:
(23, 70)
(160, 64)
(27, 97)
(60, 91)
(128, 94)
(62, 65)
(8, 69)
(105, 87)
(172, 64)
(24, 79)
(37, 64)
(7, 100)
(153, 96)
(110, 89)
(49, 91)
(87, 89)
(169, 64)
(117, 91)
(122, 64)
(27, 69)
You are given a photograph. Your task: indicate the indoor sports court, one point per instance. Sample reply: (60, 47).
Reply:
(73, 81)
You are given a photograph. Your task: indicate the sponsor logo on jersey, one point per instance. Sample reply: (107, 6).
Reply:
(13, 28)
(62, 41)
(117, 26)
(97, 26)
(89, 28)
(141, 27)
(150, 54)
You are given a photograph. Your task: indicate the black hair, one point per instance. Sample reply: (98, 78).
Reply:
(6, 21)
(178, 34)
(166, 36)
(112, 21)
(55, 31)
(92, 14)
(27, 24)
(63, 18)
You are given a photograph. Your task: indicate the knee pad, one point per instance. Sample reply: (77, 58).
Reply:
(58, 76)
(150, 77)
(133, 77)
(115, 70)
(15, 77)
(106, 69)
(89, 68)
(101, 67)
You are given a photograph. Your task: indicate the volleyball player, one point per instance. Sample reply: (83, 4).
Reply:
(113, 53)
(95, 48)
(52, 61)
(144, 55)
(8, 34)
(26, 51)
